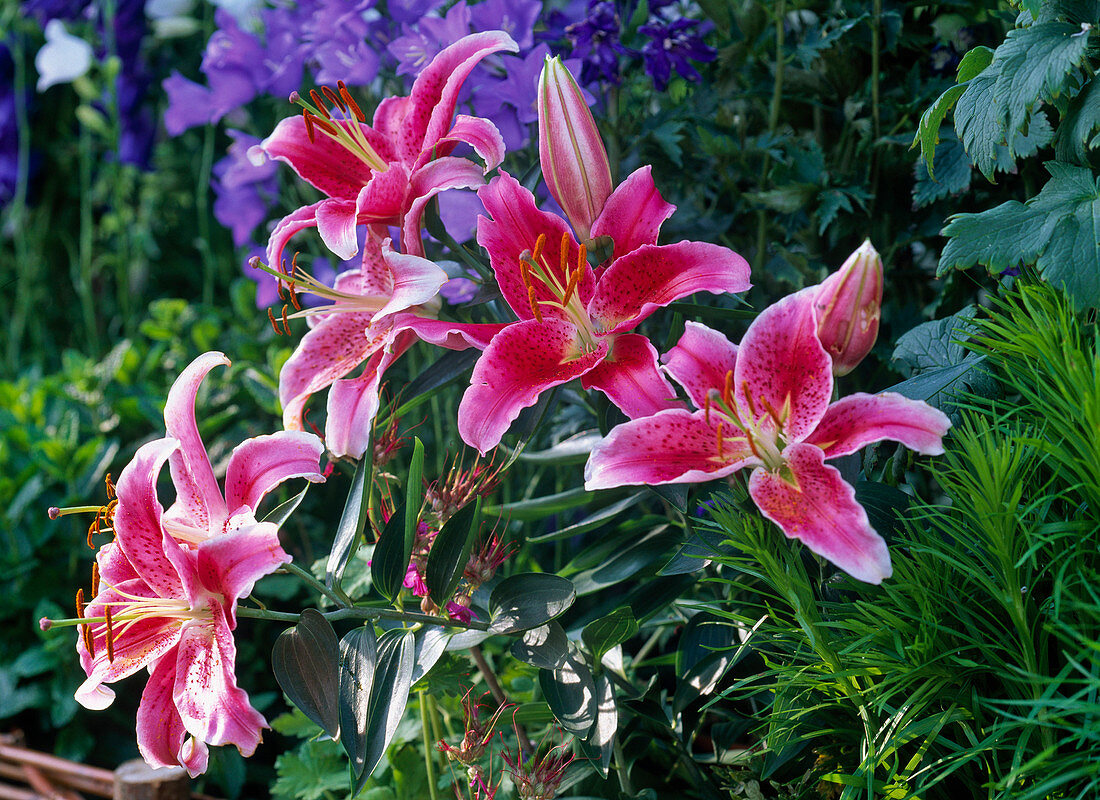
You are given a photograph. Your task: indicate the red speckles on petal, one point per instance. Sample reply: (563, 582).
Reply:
(781, 362)
(822, 512)
(640, 282)
(673, 446)
(856, 421)
(700, 361)
(336, 346)
(323, 162)
(521, 362)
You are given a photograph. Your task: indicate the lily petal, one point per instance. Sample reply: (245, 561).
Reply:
(856, 421)
(672, 446)
(138, 529)
(451, 335)
(820, 509)
(135, 644)
(630, 377)
(634, 213)
(211, 705)
(513, 228)
(229, 565)
(434, 93)
(416, 280)
(383, 199)
(335, 346)
(520, 363)
(428, 181)
(782, 366)
(161, 737)
(261, 463)
(700, 361)
(323, 162)
(652, 276)
(336, 221)
(352, 404)
(298, 220)
(480, 134)
(198, 496)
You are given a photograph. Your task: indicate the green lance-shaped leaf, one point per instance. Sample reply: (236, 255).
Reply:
(389, 695)
(450, 552)
(601, 737)
(570, 691)
(352, 522)
(306, 663)
(528, 600)
(389, 563)
(281, 513)
(431, 642)
(602, 634)
(358, 659)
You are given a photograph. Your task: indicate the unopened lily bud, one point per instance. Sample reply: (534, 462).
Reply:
(848, 306)
(574, 160)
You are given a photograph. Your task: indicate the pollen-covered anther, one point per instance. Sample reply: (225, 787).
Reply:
(85, 628)
(95, 579)
(346, 95)
(534, 303)
(721, 454)
(110, 635)
(727, 389)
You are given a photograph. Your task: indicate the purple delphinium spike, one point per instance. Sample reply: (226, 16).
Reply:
(595, 41)
(242, 188)
(514, 17)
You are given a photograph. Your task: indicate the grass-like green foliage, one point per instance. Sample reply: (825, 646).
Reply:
(972, 672)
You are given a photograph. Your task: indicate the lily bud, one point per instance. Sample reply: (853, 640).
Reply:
(574, 160)
(848, 306)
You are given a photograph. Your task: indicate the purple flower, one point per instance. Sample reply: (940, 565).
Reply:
(337, 32)
(408, 12)
(9, 131)
(671, 45)
(417, 47)
(242, 189)
(514, 17)
(45, 10)
(595, 41)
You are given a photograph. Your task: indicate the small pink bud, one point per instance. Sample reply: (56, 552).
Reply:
(574, 161)
(848, 306)
(45, 623)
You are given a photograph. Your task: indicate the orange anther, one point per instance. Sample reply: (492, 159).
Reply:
(333, 98)
(286, 322)
(274, 324)
(727, 389)
(110, 634)
(748, 398)
(721, 455)
(309, 125)
(525, 273)
(540, 244)
(317, 101)
(80, 603)
(563, 252)
(534, 303)
(359, 115)
(110, 487)
(93, 529)
(95, 579)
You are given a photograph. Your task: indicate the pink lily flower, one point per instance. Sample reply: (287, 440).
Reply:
(386, 172)
(170, 607)
(256, 466)
(575, 321)
(378, 312)
(766, 406)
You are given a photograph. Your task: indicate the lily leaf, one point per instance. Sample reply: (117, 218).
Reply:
(306, 663)
(528, 600)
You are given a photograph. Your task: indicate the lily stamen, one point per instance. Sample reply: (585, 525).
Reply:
(109, 637)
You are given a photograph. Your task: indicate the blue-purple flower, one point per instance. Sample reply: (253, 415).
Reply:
(671, 45)
(595, 41)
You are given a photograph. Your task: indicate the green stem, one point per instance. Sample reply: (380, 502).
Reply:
(355, 612)
(429, 762)
(336, 596)
(621, 769)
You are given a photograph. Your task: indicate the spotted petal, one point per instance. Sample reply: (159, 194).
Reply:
(297, 220)
(434, 93)
(261, 463)
(199, 499)
(335, 347)
(138, 529)
(630, 377)
(353, 403)
(672, 446)
(512, 229)
(700, 361)
(815, 505)
(229, 565)
(161, 737)
(336, 221)
(522, 361)
(211, 705)
(652, 276)
(428, 181)
(634, 213)
(415, 280)
(323, 162)
(858, 420)
(783, 369)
